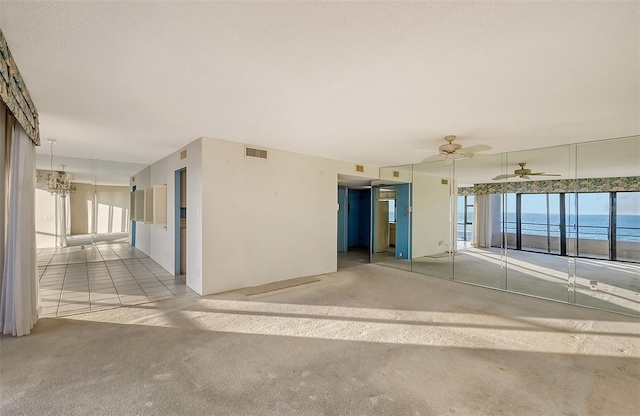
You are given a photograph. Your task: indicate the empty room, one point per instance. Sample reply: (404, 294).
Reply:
(320, 208)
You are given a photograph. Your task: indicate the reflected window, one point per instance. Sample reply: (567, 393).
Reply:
(593, 225)
(599, 225)
(627, 226)
(509, 219)
(628, 216)
(465, 218)
(540, 222)
(392, 210)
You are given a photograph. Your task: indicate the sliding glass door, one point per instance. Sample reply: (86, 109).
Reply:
(593, 225)
(540, 222)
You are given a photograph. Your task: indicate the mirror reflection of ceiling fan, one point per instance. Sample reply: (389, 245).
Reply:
(523, 173)
(452, 151)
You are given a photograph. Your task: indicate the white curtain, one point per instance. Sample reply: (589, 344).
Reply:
(482, 221)
(19, 299)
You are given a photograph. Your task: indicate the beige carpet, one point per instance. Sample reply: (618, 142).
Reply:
(368, 340)
(537, 274)
(272, 287)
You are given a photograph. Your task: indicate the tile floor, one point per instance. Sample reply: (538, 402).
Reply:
(90, 278)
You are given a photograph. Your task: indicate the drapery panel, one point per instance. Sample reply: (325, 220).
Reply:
(482, 224)
(19, 299)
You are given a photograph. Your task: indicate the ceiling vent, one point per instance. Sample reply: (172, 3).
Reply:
(396, 174)
(183, 154)
(359, 168)
(257, 153)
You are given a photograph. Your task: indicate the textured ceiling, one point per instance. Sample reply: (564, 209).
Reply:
(377, 83)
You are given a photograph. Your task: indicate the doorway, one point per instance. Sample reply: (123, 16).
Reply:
(180, 261)
(354, 226)
(391, 242)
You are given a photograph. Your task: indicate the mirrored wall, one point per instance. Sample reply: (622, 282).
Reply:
(80, 203)
(391, 218)
(560, 223)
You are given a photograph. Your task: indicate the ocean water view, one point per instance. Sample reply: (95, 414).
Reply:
(594, 227)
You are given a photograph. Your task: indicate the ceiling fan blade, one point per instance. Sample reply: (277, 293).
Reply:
(434, 158)
(474, 149)
(542, 174)
(450, 157)
(511, 175)
(462, 155)
(524, 177)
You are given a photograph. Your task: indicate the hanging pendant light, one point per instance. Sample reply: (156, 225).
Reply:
(59, 182)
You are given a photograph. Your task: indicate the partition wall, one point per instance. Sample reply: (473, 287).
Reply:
(568, 231)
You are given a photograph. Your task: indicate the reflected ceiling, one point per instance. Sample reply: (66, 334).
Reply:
(101, 172)
(608, 158)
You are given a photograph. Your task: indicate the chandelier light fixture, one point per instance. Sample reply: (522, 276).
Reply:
(59, 182)
(59, 185)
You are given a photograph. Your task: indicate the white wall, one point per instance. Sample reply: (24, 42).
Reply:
(141, 181)
(195, 208)
(404, 174)
(163, 239)
(267, 220)
(249, 221)
(431, 215)
(112, 211)
(45, 219)
(81, 204)
(159, 242)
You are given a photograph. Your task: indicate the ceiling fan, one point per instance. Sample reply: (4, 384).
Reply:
(451, 151)
(523, 173)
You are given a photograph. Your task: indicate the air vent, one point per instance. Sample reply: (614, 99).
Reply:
(183, 154)
(359, 168)
(396, 174)
(444, 181)
(251, 152)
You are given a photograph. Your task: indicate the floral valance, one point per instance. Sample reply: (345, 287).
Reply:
(621, 184)
(15, 95)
